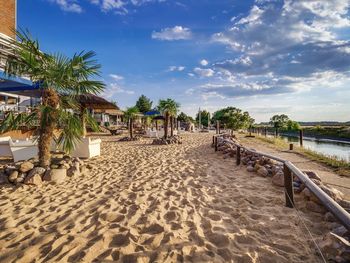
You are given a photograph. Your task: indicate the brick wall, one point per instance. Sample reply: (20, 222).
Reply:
(7, 17)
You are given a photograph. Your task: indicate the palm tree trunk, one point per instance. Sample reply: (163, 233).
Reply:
(166, 125)
(131, 128)
(48, 123)
(171, 126)
(83, 121)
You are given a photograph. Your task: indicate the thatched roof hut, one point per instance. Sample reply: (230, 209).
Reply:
(94, 102)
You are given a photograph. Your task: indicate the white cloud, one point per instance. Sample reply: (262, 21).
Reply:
(176, 68)
(114, 89)
(116, 77)
(204, 62)
(204, 72)
(68, 5)
(175, 33)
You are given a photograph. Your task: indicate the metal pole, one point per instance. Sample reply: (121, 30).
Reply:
(288, 187)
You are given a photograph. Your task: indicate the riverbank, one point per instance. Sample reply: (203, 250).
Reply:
(304, 159)
(147, 203)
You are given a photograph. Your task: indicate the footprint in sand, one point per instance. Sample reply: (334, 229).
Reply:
(219, 240)
(153, 229)
(120, 240)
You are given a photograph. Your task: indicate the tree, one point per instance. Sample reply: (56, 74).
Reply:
(293, 125)
(233, 118)
(144, 104)
(169, 108)
(130, 115)
(205, 115)
(60, 79)
(279, 121)
(183, 117)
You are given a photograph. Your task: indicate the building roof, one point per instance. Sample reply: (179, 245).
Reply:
(95, 102)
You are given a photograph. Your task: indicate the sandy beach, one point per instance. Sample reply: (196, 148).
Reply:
(147, 203)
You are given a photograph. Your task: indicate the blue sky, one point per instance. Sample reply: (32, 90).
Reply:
(263, 56)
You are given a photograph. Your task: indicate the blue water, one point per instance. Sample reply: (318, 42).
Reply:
(329, 147)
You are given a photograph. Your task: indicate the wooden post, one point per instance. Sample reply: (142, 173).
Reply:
(291, 146)
(288, 187)
(213, 140)
(238, 155)
(265, 131)
(301, 137)
(217, 127)
(216, 143)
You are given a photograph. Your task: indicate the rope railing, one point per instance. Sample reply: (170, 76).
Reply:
(289, 170)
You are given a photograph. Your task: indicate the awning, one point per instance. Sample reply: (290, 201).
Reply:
(18, 86)
(152, 113)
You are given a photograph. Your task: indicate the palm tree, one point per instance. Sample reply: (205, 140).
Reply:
(130, 115)
(60, 79)
(169, 108)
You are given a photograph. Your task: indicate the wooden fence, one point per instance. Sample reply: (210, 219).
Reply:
(289, 170)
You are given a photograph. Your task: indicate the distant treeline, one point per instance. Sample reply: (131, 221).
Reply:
(317, 123)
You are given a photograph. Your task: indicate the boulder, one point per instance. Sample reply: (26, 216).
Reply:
(314, 207)
(312, 175)
(83, 169)
(278, 179)
(250, 168)
(26, 166)
(3, 179)
(9, 169)
(74, 170)
(33, 180)
(20, 179)
(335, 248)
(36, 170)
(335, 194)
(55, 175)
(262, 171)
(13, 176)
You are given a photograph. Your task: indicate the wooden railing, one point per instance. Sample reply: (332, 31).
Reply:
(289, 170)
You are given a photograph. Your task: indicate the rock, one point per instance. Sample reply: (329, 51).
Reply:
(54, 166)
(26, 166)
(335, 248)
(262, 171)
(36, 170)
(257, 167)
(55, 175)
(13, 176)
(345, 204)
(278, 179)
(329, 217)
(340, 231)
(250, 168)
(314, 207)
(312, 175)
(3, 179)
(74, 170)
(20, 179)
(9, 169)
(335, 194)
(33, 180)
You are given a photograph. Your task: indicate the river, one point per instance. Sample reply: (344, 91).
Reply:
(339, 149)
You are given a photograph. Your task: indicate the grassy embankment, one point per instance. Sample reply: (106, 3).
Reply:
(340, 166)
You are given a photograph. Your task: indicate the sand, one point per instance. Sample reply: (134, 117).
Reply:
(145, 203)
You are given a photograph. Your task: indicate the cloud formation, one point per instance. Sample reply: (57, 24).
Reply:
(204, 72)
(174, 33)
(68, 5)
(176, 68)
(284, 46)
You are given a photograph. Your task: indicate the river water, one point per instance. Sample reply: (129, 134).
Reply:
(339, 149)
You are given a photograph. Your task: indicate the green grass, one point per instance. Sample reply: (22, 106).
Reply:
(340, 166)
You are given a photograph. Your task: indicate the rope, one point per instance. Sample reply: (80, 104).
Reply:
(307, 229)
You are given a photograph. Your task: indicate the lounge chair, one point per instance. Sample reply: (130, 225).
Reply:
(87, 148)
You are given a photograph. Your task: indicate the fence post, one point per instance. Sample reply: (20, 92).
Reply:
(216, 143)
(265, 132)
(291, 146)
(301, 137)
(238, 155)
(213, 141)
(217, 127)
(288, 187)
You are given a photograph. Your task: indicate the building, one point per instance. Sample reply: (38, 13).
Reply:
(16, 93)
